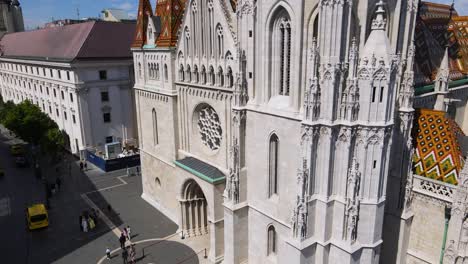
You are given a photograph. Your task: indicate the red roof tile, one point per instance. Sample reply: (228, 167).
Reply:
(83, 41)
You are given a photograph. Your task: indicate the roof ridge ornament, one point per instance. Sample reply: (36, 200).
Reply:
(379, 22)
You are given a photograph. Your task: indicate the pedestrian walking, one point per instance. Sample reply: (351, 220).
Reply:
(86, 165)
(91, 223)
(125, 233)
(108, 253)
(81, 165)
(85, 225)
(129, 236)
(125, 255)
(122, 241)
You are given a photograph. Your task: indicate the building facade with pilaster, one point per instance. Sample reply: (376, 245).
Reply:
(73, 75)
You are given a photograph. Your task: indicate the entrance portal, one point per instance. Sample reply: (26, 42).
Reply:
(194, 217)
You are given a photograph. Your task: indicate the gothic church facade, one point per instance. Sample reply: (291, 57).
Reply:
(280, 129)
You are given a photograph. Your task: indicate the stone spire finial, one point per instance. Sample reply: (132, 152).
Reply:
(379, 22)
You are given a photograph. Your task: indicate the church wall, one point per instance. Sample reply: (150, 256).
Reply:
(427, 230)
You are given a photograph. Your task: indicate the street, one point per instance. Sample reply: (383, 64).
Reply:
(63, 241)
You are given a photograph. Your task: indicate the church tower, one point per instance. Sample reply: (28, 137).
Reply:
(349, 110)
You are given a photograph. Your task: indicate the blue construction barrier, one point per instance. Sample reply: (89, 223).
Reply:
(113, 164)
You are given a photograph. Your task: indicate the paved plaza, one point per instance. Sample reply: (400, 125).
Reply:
(154, 235)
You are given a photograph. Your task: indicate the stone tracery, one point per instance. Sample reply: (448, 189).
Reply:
(209, 127)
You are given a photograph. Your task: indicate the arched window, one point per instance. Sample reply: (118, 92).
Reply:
(211, 25)
(188, 74)
(273, 165)
(230, 79)
(155, 128)
(157, 71)
(203, 75)
(271, 244)
(139, 70)
(187, 41)
(166, 73)
(219, 40)
(212, 75)
(281, 53)
(220, 77)
(181, 73)
(196, 76)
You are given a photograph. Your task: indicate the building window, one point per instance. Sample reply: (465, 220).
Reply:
(166, 73)
(57, 112)
(181, 73)
(273, 165)
(271, 244)
(59, 74)
(40, 88)
(220, 77)
(47, 90)
(109, 139)
(55, 93)
(51, 73)
(71, 97)
(105, 96)
(155, 128)
(220, 46)
(65, 115)
(281, 52)
(102, 75)
(157, 72)
(106, 117)
(230, 78)
(74, 119)
(68, 75)
(63, 95)
(50, 109)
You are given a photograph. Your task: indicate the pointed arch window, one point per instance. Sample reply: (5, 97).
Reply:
(187, 41)
(273, 165)
(220, 77)
(219, 40)
(229, 77)
(157, 71)
(166, 73)
(212, 75)
(203, 75)
(196, 76)
(188, 74)
(181, 73)
(155, 127)
(271, 241)
(281, 53)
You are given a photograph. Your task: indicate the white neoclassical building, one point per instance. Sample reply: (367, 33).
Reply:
(280, 129)
(80, 75)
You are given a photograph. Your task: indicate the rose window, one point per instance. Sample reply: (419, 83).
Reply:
(209, 127)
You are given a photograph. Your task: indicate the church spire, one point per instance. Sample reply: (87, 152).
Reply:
(144, 10)
(442, 82)
(377, 45)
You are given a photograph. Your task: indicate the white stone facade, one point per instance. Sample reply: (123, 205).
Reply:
(295, 103)
(73, 94)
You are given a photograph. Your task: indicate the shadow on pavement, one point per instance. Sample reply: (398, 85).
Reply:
(63, 241)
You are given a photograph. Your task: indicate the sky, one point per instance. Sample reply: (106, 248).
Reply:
(38, 12)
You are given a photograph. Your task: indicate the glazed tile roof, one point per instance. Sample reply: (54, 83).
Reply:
(435, 29)
(437, 150)
(83, 41)
(201, 169)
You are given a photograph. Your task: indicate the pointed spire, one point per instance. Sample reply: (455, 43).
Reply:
(379, 22)
(353, 56)
(377, 45)
(144, 11)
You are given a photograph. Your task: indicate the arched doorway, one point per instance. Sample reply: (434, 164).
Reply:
(194, 217)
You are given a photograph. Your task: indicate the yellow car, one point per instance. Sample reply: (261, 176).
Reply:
(37, 216)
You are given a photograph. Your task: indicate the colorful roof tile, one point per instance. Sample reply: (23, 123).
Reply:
(437, 150)
(171, 13)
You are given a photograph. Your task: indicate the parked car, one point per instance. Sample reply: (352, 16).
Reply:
(21, 161)
(17, 150)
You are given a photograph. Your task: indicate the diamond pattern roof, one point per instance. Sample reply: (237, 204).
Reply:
(437, 150)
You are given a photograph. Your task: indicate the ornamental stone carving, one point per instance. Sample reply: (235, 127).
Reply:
(209, 127)
(352, 201)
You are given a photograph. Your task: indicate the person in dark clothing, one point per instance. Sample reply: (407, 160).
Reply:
(58, 182)
(125, 256)
(122, 241)
(81, 165)
(81, 220)
(86, 165)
